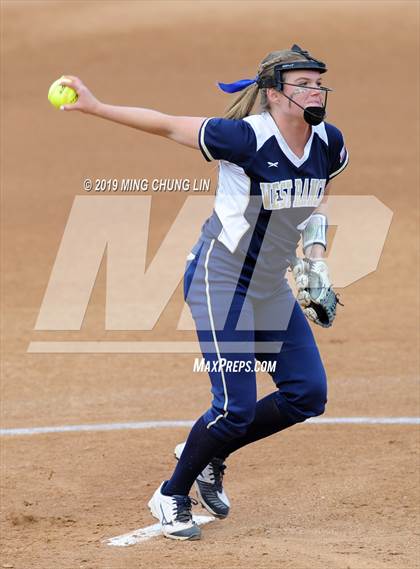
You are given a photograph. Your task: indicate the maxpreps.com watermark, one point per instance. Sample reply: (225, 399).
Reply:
(232, 366)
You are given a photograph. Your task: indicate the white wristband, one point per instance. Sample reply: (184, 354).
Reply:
(315, 231)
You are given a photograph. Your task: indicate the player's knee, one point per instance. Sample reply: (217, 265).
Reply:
(235, 422)
(314, 396)
(239, 420)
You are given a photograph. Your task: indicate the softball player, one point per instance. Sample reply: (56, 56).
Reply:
(274, 168)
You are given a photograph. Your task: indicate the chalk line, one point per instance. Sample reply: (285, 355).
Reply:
(117, 347)
(95, 427)
(174, 424)
(144, 534)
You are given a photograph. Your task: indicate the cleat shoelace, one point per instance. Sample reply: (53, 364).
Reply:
(217, 472)
(182, 508)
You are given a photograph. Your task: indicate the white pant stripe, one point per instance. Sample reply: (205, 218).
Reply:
(206, 267)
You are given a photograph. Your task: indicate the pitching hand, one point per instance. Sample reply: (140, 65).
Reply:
(86, 102)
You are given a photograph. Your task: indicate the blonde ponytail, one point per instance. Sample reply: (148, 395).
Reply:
(242, 106)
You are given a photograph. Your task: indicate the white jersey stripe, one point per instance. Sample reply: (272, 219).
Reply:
(341, 167)
(202, 143)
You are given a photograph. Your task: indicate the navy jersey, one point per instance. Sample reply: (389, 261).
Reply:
(266, 194)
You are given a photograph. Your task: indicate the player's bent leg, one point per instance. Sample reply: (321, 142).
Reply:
(299, 372)
(303, 393)
(281, 410)
(299, 375)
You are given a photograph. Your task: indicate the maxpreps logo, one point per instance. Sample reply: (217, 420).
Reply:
(114, 230)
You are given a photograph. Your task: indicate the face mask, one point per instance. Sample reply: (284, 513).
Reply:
(312, 115)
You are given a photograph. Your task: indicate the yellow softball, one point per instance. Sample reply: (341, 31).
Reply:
(59, 95)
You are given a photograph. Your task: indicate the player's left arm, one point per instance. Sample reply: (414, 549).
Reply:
(314, 235)
(315, 293)
(312, 248)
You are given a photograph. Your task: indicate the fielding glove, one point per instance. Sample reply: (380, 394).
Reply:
(315, 293)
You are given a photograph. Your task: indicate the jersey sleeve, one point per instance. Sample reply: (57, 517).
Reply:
(338, 154)
(227, 139)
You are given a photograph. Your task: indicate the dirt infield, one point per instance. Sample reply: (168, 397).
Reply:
(317, 496)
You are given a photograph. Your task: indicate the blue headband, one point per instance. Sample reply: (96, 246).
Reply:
(237, 85)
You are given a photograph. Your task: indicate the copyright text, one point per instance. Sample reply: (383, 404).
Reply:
(138, 185)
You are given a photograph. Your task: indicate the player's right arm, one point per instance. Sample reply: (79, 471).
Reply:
(183, 130)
